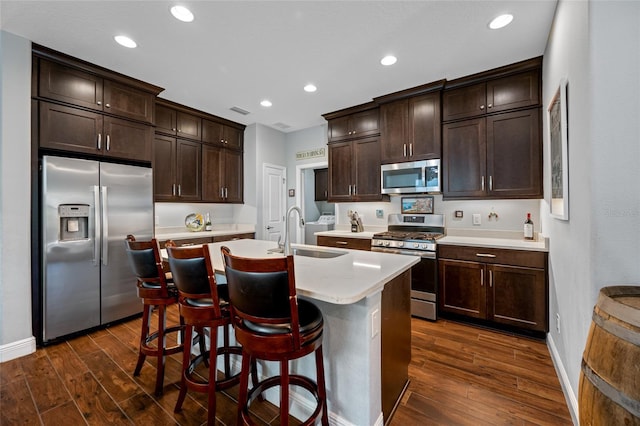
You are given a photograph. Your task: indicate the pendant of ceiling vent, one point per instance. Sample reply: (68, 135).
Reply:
(240, 110)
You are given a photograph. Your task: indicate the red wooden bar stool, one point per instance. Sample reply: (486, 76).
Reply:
(202, 303)
(272, 324)
(156, 290)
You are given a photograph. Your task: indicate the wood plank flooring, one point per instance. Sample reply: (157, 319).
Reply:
(460, 375)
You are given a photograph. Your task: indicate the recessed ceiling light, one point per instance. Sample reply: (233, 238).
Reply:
(501, 21)
(388, 60)
(266, 103)
(181, 13)
(125, 41)
(310, 88)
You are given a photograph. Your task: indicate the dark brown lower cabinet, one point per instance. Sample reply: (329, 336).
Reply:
(504, 287)
(346, 243)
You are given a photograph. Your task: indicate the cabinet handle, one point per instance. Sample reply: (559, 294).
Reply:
(482, 107)
(404, 150)
(173, 129)
(99, 141)
(108, 142)
(173, 189)
(349, 190)
(485, 255)
(99, 102)
(221, 192)
(179, 190)
(481, 278)
(107, 105)
(490, 183)
(226, 193)
(490, 106)
(410, 150)
(326, 194)
(482, 183)
(490, 278)
(342, 243)
(354, 190)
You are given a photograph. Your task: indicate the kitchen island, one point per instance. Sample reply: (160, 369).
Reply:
(364, 298)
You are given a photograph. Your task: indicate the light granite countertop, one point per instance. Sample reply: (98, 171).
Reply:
(181, 232)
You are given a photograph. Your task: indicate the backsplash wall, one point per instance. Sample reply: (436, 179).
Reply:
(511, 213)
(173, 214)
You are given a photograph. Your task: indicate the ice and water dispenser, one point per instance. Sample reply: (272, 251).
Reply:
(74, 221)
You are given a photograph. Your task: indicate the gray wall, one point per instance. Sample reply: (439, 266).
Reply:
(15, 160)
(596, 46)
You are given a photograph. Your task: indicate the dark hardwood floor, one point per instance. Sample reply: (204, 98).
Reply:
(460, 375)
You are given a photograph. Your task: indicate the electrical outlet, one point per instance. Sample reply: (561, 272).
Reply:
(476, 219)
(375, 323)
(558, 322)
(379, 213)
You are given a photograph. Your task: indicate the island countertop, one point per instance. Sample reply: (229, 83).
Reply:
(340, 280)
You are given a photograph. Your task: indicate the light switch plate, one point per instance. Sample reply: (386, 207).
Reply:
(476, 219)
(379, 213)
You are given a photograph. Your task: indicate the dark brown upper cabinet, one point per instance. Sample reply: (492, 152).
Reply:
(496, 95)
(175, 122)
(222, 175)
(321, 184)
(64, 83)
(220, 134)
(363, 122)
(176, 169)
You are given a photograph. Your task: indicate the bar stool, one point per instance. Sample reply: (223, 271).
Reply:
(156, 291)
(202, 304)
(273, 325)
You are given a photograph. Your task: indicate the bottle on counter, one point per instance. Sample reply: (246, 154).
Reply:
(528, 228)
(207, 223)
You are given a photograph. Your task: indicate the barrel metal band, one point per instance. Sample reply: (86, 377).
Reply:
(617, 330)
(615, 395)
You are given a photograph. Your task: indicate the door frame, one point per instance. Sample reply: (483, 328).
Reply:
(300, 186)
(262, 234)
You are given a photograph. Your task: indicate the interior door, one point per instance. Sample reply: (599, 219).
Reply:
(273, 203)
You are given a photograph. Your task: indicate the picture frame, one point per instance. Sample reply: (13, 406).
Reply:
(559, 153)
(417, 205)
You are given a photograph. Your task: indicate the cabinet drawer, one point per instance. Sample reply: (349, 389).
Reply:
(188, 241)
(347, 243)
(526, 258)
(248, 235)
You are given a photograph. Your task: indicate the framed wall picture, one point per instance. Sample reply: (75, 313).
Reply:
(559, 152)
(417, 205)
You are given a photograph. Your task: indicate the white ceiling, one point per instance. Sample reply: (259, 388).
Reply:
(236, 53)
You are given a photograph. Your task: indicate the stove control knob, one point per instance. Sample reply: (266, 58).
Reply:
(387, 243)
(416, 245)
(400, 243)
(423, 246)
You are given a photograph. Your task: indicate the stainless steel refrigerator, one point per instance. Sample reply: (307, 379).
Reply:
(88, 208)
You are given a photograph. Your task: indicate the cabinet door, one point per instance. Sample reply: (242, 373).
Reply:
(321, 180)
(366, 185)
(233, 138)
(212, 174)
(464, 157)
(164, 168)
(339, 129)
(464, 102)
(212, 132)
(125, 101)
(70, 129)
(462, 288)
(517, 297)
(365, 123)
(69, 85)
(188, 170)
(346, 243)
(233, 174)
(127, 140)
(514, 155)
(424, 127)
(189, 126)
(394, 118)
(340, 171)
(516, 91)
(166, 120)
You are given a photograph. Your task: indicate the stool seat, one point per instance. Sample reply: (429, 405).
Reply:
(273, 325)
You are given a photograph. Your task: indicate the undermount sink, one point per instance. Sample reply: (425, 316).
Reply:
(320, 254)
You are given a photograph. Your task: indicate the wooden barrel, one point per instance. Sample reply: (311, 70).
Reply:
(609, 390)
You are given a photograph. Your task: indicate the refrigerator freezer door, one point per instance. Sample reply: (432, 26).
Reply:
(71, 271)
(127, 208)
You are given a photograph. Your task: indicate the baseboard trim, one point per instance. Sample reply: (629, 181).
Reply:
(569, 394)
(17, 349)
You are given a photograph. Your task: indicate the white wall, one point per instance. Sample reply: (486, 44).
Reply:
(596, 46)
(16, 337)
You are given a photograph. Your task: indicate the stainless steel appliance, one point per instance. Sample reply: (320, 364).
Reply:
(416, 235)
(88, 208)
(411, 178)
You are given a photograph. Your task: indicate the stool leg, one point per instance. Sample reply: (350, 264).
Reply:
(284, 393)
(227, 355)
(144, 333)
(247, 362)
(162, 323)
(322, 390)
(186, 359)
(211, 402)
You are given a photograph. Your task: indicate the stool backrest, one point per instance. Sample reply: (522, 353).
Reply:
(193, 273)
(263, 291)
(144, 259)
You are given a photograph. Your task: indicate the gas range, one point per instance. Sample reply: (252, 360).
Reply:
(406, 232)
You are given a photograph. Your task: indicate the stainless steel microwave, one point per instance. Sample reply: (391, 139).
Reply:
(411, 178)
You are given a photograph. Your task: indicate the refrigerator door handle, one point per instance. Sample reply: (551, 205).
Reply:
(96, 237)
(105, 228)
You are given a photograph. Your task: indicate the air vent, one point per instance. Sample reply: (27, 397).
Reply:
(240, 110)
(282, 126)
